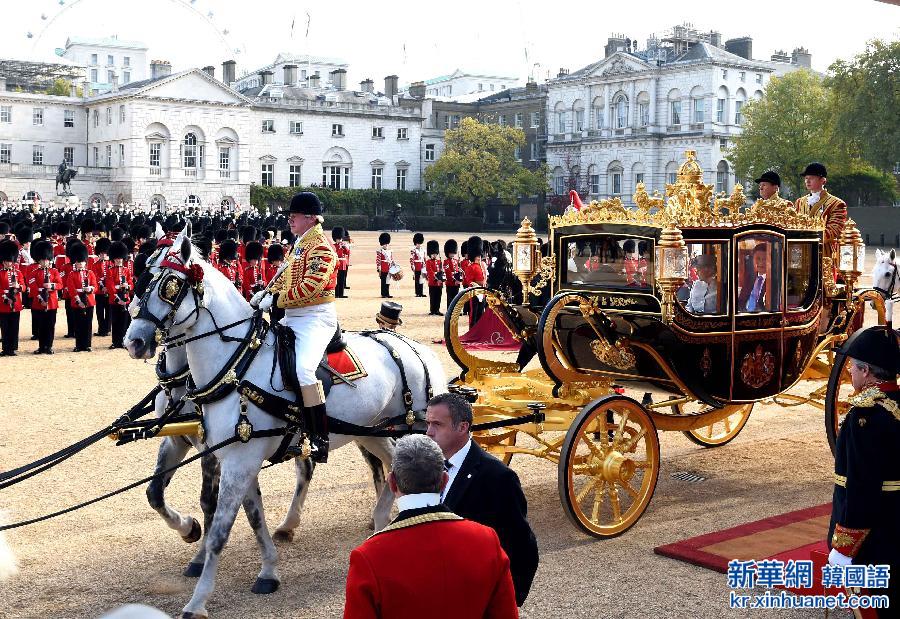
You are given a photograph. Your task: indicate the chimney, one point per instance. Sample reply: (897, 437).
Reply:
(339, 79)
(715, 38)
(115, 82)
(266, 77)
(314, 80)
(160, 68)
(615, 43)
(531, 88)
(801, 57)
(417, 89)
(228, 71)
(390, 86)
(290, 75)
(562, 72)
(742, 46)
(367, 85)
(210, 70)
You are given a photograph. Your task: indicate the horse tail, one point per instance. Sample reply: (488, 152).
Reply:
(8, 566)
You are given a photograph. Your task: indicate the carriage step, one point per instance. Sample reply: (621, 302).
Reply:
(688, 476)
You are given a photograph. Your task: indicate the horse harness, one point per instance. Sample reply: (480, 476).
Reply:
(889, 293)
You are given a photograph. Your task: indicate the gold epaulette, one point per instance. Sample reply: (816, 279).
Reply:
(420, 519)
(867, 398)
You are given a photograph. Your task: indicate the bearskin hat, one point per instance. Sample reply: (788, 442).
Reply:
(232, 234)
(102, 246)
(220, 235)
(71, 241)
(384, 238)
(418, 238)
(337, 233)
(24, 234)
(204, 246)
(118, 250)
(129, 243)
(253, 251)
(140, 264)
(432, 247)
(173, 223)
(228, 250)
(147, 247)
(78, 252)
(41, 250)
(450, 246)
(346, 234)
(248, 233)
(87, 226)
(475, 247)
(4, 227)
(9, 251)
(275, 252)
(141, 232)
(464, 249)
(63, 228)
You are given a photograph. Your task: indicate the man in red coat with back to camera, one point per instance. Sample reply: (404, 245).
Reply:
(429, 562)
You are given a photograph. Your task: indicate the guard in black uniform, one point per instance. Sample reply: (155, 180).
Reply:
(865, 512)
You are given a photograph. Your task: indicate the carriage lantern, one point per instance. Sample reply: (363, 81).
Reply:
(526, 256)
(671, 267)
(852, 253)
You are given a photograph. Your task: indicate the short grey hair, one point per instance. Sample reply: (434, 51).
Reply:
(418, 464)
(878, 372)
(459, 407)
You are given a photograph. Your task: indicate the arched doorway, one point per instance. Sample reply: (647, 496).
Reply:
(157, 203)
(97, 200)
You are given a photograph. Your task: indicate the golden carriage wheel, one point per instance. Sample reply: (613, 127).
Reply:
(721, 432)
(608, 466)
(837, 397)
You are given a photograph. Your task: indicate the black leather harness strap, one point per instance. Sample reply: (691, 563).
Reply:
(404, 384)
(409, 342)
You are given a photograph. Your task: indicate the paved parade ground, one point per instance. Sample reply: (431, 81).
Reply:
(119, 551)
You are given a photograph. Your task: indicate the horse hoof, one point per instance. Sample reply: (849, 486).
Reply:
(195, 534)
(283, 536)
(264, 586)
(193, 570)
(371, 525)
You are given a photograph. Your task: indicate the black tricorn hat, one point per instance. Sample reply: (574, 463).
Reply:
(228, 250)
(41, 250)
(384, 238)
(418, 238)
(432, 247)
(253, 250)
(875, 346)
(118, 250)
(9, 251)
(306, 203)
(390, 313)
(450, 246)
(78, 252)
(815, 169)
(102, 245)
(275, 252)
(337, 233)
(769, 176)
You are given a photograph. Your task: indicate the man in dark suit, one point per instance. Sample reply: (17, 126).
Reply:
(428, 562)
(483, 489)
(753, 291)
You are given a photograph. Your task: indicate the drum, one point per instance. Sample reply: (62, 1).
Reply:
(395, 272)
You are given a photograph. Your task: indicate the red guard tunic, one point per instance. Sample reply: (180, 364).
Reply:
(474, 274)
(119, 283)
(48, 300)
(417, 259)
(253, 280)
(453, 272)
(269, 271)
(232, 270)
(76, 282)
(342, 249)
(12, 284)
(433, 266)
(384, 258)
(100, 269)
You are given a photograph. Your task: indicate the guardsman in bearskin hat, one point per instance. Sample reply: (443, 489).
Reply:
(305, 290)
(417, 263)
(120, 286)
(254, 281)
(63, 230)
(475, 274)
(44, 285)
(248, 235)
(274, 259)
(81, 284)
(348, 241)
(865, 511)
(434, 273)
(227, 263)
(342, 249)
(87, 236)
(100, 269)
(831, 209)
(11, 286)
(384, 260)
(453, 274)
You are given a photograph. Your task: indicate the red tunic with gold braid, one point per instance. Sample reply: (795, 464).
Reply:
(311, 275)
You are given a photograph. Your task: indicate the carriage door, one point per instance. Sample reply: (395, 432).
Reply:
(757, 351)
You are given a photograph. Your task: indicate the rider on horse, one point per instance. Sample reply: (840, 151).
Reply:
(305, 290)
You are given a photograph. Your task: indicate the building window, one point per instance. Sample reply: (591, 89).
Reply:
(561, 122)
(121, 114)
(429, 152)
(401, 133)
(109, 155)
(69, 155)
(337, 130)
(621, 112)
(518, 153)
(155, 151)
(68, 118)
(743, 75)
(520, 120)
(5, 113)
(535, 120)
(126, 77)
(698, 110)
(94, 76)
(224, 162)
(378, 132)
(268, 175)
(401, 179)
(501, 120)
(109, 116)
(336, 177)
(676, 113)
(534, 151)
(294, 175)
(96, 156)
(268, 126)
(193, 200)
(644, 113)
(376, 178)
(617, 183)
(37, 155)
(671, 177)
(720, 110)
(579, 120)
(37, 116)
(738, 116)
(121, 155)
(759, 78)
(94, 59)
(297, 127)
(721, 176)
(638, 178)
(126, 61)
(594, 182)
(5, 153)
(724, 74)
(110, 61)
(447, 121)
(110, 77)
(455, 123)
(189, 152)
(723, 144)
(559, 185)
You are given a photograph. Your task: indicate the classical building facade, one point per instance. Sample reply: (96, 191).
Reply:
(108, 60)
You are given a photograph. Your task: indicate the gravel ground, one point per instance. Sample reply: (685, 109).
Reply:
(119, 551)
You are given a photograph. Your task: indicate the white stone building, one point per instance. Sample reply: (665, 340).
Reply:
(462, 83)
(108, 60)
(306, 67)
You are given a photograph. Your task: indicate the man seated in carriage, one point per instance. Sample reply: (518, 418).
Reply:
(756, 282)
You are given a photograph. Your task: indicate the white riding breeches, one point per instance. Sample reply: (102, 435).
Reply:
(313, 326)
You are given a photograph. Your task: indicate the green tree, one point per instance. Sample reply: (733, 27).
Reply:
(479, 164)
(862, 184)
(866, 93)
(790, 126)
(61, 88)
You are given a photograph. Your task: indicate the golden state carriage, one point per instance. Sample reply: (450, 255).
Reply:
(715, 305)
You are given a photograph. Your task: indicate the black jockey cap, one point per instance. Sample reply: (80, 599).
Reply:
(41, 250)
(118, 250)
(876, 346)
(815, 169)
(102, 245)
(306, 203)
(390, 313)
(432, 247)
(769, 176)
(275, 252)
(450, 246)
(337, 233)
(9, 251)
(253, 251)
(384, 238)
(418, 238)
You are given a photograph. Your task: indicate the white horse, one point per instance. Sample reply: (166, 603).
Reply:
(886, 274)
(198, 313)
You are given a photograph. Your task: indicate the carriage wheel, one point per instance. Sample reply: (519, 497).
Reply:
(837, 403)
(721, 432)
(608, 466)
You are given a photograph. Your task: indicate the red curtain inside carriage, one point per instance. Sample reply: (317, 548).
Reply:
(489, 333)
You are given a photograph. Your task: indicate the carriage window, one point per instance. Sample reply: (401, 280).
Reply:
(704, 291)
(609, 260)
(802, 274)
(758, 271)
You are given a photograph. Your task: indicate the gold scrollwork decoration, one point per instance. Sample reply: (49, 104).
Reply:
(548, 267)
(617, 355)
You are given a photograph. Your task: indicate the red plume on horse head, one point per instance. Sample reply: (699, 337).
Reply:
(575, 200)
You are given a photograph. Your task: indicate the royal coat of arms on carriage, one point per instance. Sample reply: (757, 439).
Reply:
(757, 367)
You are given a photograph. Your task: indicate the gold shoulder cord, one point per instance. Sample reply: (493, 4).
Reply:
(420, 519)
(872, 396)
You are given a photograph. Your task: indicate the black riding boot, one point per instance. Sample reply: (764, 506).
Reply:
(316, 422)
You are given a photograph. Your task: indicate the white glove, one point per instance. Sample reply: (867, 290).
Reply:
(836, 558)
(257, 298)
(266, 304)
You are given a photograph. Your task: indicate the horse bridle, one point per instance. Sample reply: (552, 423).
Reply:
(889, 293)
